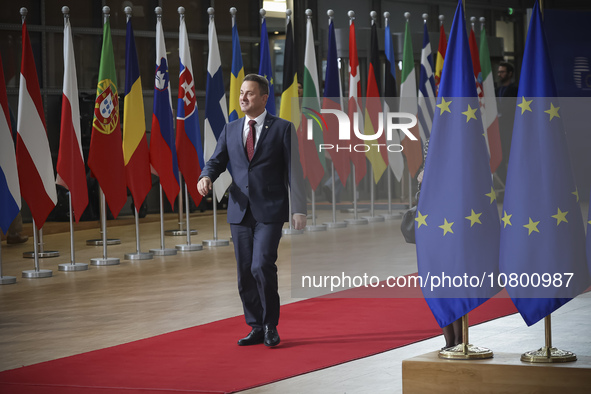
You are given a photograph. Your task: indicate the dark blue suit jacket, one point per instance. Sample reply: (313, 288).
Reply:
(263, 182)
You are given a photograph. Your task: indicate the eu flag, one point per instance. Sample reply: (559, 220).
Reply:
(542, 239)
(457, 223)
(265, 67)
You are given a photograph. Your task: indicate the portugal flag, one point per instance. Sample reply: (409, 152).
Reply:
(105, 157)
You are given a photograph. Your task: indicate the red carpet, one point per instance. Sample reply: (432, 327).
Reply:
(315, 334)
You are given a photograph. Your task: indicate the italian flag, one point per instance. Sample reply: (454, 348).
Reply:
(408, 103)
(490, 115)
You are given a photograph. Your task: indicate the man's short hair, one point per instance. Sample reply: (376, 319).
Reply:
(508, 66)
(262, 81)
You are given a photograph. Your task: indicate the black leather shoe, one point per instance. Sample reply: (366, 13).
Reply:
(271, 336)
(254, 337)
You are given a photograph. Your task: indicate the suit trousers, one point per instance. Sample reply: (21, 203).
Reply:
(255, 247)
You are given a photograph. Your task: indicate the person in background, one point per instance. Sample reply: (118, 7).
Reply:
(506, 90)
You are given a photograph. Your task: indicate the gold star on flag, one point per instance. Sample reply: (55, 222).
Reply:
(560, 217)
(446, 227)
(576, 193)
(532, 226)
(422, 219)
(553, 111)
(524, 105)
(444, 106)
(470, 113)
(506, 219)
(474, 218)
(492, 195)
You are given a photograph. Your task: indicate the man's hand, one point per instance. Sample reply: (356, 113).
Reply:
(204, 186)
(299, 221)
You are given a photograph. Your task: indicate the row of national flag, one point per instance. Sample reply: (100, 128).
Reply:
(168, 155)
(418, 100)
(538, 243)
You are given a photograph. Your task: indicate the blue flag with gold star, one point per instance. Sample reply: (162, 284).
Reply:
(265, 67)
(457, 221)
(542, 255)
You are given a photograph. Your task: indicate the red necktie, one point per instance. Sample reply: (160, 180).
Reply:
(250, 139)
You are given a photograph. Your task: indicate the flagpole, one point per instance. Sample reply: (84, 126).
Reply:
(215, 241)
(313, 226)
(137, 255)
(356, 219)
(181, 221)
(372, 218)
(5, 280)
(103, 240)
(44, 254)
(99, 241)
(188, 247)
(389, 215)
(72, 266)
(163, 251)
(104, 260)
(291, 230)
(334, 223)
(36, 273)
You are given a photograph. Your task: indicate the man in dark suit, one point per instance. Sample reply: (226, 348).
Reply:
(259, 149)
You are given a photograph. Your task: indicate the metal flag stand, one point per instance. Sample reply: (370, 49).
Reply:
(372, 218)
(137, 255)
(334, 223)
(315, 227)
(548, 354)
(356, 220)
(104, 260)
(390, 215)
(180, 230)
(215, 241)
(72, 265)
(465, 351)
(162, 251)
(188, 247)
(36, 273)
(5, 280)
(291, 230)
(99, 241)
(43, 254)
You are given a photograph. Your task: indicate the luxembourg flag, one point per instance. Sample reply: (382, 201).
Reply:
(216, 107)
(70, 161)
(10, 193)
(188, 134)
(163, 155)
(33, 156)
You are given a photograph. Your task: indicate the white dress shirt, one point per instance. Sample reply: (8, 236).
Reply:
(258, 128)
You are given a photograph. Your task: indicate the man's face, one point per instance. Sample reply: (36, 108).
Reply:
(252, 103)
(504, 75)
